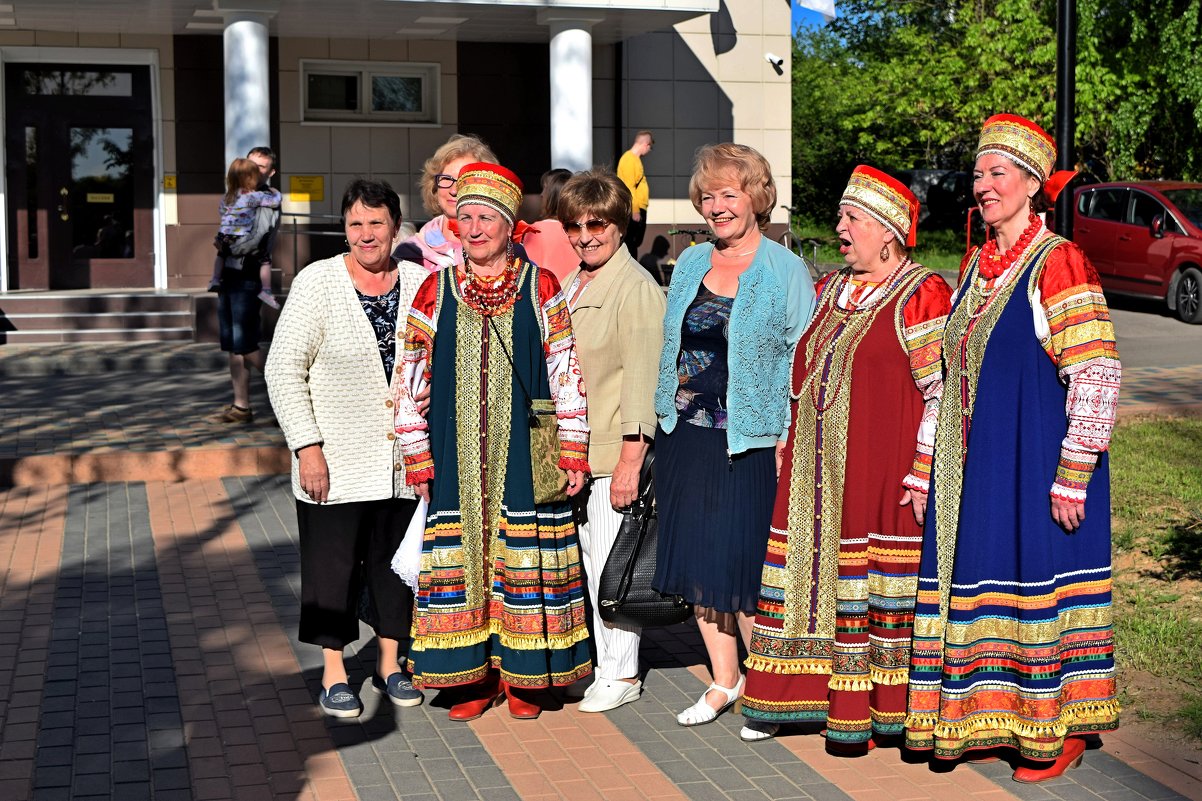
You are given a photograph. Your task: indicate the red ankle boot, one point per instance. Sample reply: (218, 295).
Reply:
(477, 699)
(519, 707)
(1070, 757)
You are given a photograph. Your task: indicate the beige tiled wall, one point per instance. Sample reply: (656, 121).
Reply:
(689, 95)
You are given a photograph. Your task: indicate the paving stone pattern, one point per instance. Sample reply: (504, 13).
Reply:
(110, 724)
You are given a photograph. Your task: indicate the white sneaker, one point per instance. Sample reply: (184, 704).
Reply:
(605, 695)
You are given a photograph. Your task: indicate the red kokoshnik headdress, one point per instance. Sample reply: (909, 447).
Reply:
(1028, 146)
(886, 199)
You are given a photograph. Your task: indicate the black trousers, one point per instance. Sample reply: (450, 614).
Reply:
(345, 547)
(635, 230)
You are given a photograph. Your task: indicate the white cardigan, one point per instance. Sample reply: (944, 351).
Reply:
(327, 384)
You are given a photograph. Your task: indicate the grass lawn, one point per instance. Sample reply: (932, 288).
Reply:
(1156, 474)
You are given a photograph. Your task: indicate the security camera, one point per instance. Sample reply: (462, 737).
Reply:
(776, 61)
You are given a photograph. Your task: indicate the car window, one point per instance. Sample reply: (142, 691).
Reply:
(1188, 202)
(1143, 208)
(1109, 204)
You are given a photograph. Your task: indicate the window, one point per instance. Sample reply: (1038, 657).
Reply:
(1143, 209)
(1109, 204)
(370, 92)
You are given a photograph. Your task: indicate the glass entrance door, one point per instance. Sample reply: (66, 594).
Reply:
(81, 170)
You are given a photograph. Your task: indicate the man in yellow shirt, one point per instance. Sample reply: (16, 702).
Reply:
(630, 171)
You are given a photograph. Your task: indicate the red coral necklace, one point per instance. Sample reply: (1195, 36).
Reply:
(993, 264)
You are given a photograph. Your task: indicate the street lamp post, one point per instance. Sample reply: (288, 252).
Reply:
(1066, 89)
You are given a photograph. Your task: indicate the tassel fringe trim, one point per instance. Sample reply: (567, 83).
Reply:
(1072, 716)
(789, 667)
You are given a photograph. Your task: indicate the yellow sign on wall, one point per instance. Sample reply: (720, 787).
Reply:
(100, 197)
(169, 182)
(306, 188)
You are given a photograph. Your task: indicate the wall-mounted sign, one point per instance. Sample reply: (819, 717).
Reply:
(169, 182)
(306, 188)
(100, 197)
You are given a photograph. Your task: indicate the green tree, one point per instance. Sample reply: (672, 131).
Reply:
(904, 85)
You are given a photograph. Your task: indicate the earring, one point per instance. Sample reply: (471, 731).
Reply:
(509, 251)
(885, 252)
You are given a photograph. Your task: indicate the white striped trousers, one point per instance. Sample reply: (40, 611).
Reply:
(598, 525)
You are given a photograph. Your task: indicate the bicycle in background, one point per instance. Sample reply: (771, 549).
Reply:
(797, 243)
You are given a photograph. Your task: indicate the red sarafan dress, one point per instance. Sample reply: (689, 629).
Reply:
(831, 642)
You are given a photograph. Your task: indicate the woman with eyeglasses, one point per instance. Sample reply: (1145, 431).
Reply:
(437, 244)
(617, 317)
(736, 309)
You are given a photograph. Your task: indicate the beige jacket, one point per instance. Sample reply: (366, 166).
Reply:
(618, 323)
(327, 384)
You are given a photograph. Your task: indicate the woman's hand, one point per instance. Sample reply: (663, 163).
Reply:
(422, 491)
(1067, 514)
(575, 482)
(422, 399)
(780, 455)
(624, 485)
(314, 473)
(918, 503)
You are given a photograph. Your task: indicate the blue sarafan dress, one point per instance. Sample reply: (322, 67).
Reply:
(1013, 642)
(501, 584)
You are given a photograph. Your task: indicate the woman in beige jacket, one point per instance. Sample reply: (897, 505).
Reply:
(617, 316)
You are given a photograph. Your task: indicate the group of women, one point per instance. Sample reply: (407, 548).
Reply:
(895, 496)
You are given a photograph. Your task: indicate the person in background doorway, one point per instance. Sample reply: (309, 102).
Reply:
(238, 233)
(630, 170)
(437, 245)
(545, 242)
(238, 306)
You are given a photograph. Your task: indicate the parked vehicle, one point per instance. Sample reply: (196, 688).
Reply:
(1145, 238)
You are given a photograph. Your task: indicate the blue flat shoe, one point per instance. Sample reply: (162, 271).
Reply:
(340, 701)
(399, 689)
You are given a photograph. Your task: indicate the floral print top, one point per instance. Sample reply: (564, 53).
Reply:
(702, 368)
(381, 311)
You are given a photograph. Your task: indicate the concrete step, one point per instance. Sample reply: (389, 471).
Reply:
(113, 335)
(90, 321)
(144, 358)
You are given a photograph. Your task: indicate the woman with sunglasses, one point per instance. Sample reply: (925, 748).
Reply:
(736, 310)
(437, 245)
(617, 317)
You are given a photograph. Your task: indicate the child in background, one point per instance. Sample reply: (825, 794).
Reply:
(239, 207)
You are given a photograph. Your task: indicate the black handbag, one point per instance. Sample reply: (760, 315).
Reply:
(626, 595)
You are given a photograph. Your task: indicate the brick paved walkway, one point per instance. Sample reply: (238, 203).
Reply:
(151, 654)
(148, 606)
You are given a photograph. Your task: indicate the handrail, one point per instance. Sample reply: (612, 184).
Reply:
(295, 229)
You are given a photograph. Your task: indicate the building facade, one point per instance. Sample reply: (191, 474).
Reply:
(120, 117)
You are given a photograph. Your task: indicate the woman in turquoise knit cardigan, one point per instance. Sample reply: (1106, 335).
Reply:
(736, 309)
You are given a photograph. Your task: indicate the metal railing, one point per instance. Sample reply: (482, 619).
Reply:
(291, 222)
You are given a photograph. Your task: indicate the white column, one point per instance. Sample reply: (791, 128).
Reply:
(247, 97)
(571, 53)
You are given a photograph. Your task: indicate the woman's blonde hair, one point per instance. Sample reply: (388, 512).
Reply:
(243, 176)
(713, 163)
(457, 147)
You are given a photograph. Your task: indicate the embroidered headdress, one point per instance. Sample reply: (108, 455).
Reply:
(490, 185)
(1028, 146)
(886, 199)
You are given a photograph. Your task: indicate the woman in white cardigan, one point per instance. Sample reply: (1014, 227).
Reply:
(332, 361)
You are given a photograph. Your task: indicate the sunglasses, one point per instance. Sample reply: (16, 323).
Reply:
(594, 227)
(444, 181)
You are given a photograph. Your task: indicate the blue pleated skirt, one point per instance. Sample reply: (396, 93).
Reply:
(714, 514)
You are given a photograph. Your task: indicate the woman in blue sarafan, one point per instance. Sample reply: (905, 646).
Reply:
(1013, 642)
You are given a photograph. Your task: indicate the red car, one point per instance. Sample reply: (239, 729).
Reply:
(1145, 238)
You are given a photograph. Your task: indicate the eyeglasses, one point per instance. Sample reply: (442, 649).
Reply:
(594, 227)
(444, 181)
